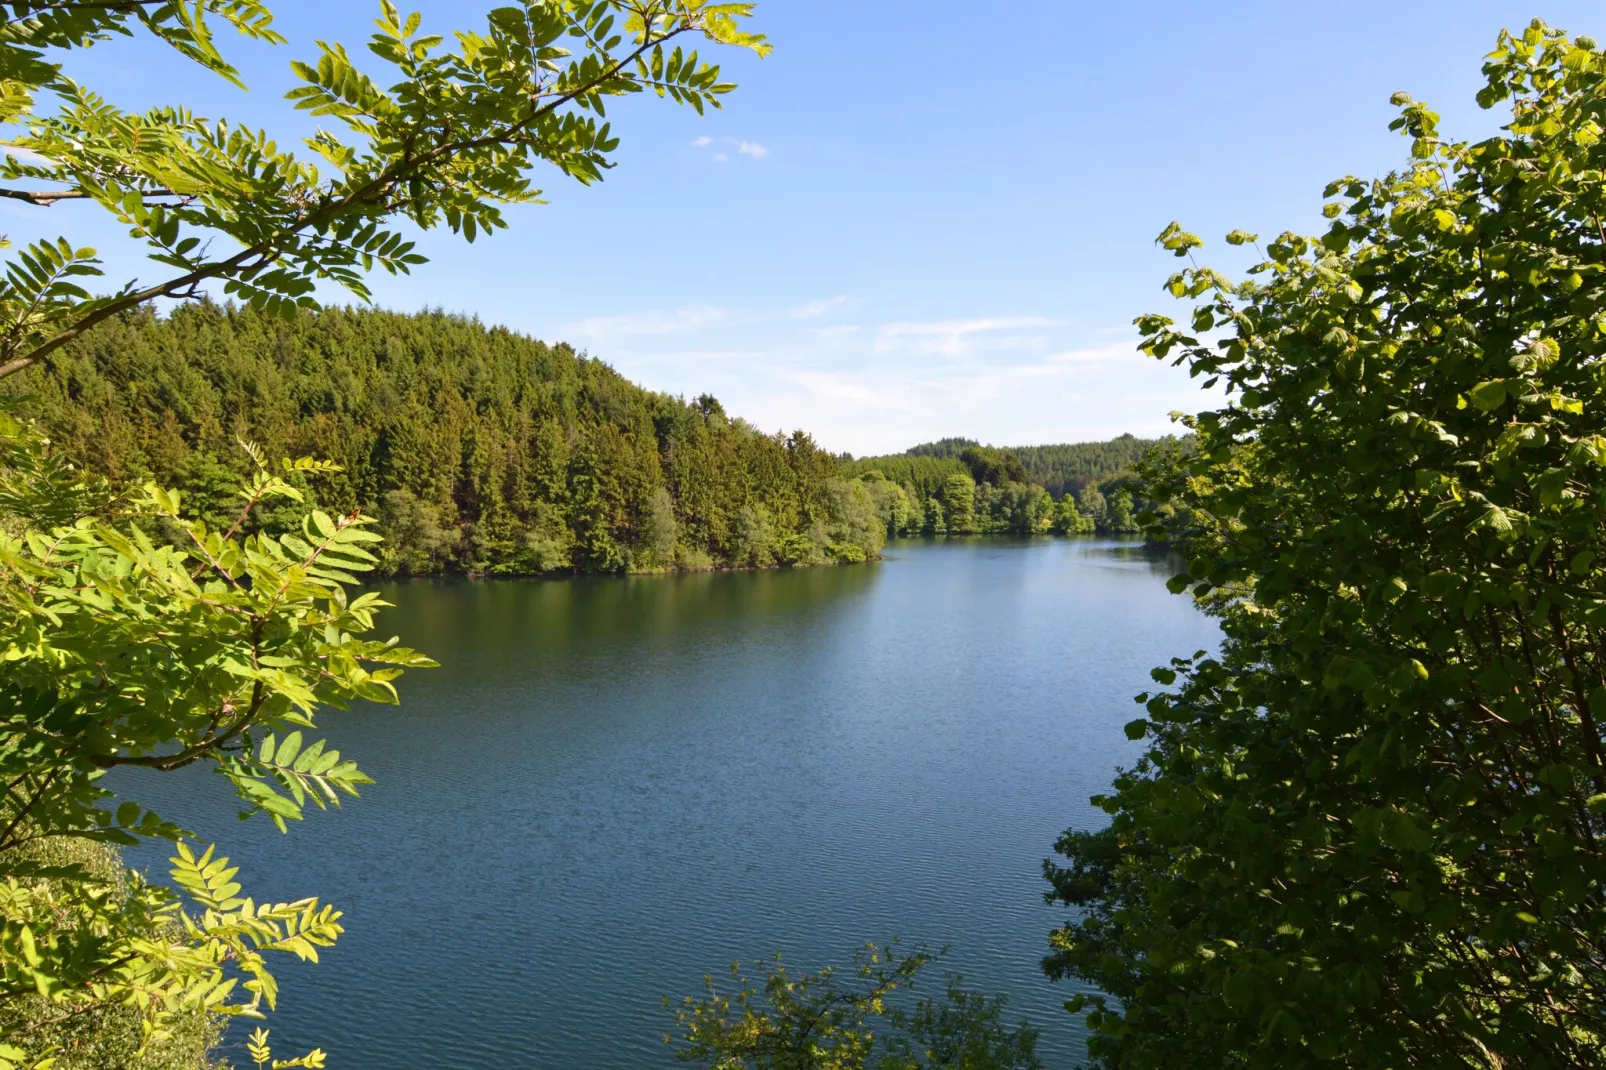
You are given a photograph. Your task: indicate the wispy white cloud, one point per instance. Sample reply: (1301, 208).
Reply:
(953, 338)
(871, 387)
(837, 387)
(742, 146)
(813, 310)
(680, 359)
(889, 402)
(636, 324)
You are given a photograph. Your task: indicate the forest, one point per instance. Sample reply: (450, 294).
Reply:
(1066, 467)
(958, 486)
(480, 451)
(483, 452)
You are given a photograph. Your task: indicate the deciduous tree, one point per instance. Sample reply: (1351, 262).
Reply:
(133, 633)
(1369, 832)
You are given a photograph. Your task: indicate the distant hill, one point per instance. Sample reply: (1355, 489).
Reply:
(942, 448)
(1057, 468)
(1072, 466)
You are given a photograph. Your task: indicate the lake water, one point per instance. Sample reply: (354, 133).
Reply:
(615, 786)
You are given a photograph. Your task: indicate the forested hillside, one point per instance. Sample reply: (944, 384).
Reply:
(1066, 467)
(480, 450)
(957, 485)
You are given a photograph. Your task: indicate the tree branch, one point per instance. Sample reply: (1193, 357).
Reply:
(375, 189)
(46, 198)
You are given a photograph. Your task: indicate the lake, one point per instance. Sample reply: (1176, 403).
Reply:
(614, 786)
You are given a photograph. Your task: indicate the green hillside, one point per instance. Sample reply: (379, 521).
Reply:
(1059, 468)
(480, 450)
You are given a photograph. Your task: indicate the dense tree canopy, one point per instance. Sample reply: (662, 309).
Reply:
(1057, 469)
(483, 451)
(478, 449)
(968, 488)
(1369, 833)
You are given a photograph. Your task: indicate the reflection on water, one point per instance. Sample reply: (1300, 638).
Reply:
(615, 786)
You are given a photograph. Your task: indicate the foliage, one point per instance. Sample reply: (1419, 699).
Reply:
(1369, 833)
(849, 1020)
(958, 497)
(478, 450)
(995, 466)
(1059, 469)
(262, 1055)
(921, 477)
(942, 449)
(136, 633)
(89, 1034)
(121, 651)
(1068, 519)
(1014, 490)
(1063, 469)
(457, 133)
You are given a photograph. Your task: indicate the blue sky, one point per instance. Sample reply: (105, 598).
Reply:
(916, 218)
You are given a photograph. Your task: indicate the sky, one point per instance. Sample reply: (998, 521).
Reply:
(916, 218)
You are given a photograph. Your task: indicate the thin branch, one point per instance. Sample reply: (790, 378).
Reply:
(6, 840)
(45, 198)
(376, 188)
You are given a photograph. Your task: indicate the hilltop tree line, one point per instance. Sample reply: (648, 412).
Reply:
(957, 486)
(479, 450)
(1069, 466)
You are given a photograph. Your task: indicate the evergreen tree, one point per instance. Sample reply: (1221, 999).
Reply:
(479, 450)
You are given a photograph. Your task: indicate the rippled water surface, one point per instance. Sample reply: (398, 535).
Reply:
(615, 786)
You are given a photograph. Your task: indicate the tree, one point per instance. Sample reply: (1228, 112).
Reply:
(995, 466)
(457, 134)
(1068, 520)
(1018, 508)
(959, 504)
(1057, 468)
(220, 645)
(1042, 511)
(1119, 517)
(1369, 833)
(849, 1020)
(661, 529)
(754, 542)
(855, 530)
(893, 505)
(479, 450)
(1092, 504)
(102, 1034)
(123, 651)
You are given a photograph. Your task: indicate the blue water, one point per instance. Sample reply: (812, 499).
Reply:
(613, 787)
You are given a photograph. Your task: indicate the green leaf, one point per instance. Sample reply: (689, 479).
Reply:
(1488, 396)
